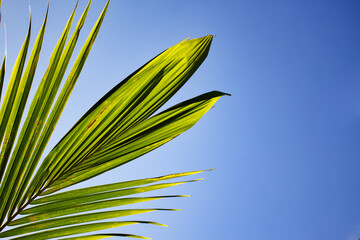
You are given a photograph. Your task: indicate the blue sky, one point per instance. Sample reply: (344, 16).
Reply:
(285, 145)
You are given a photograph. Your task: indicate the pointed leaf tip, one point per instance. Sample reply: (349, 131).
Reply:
(160, 224)
(196, 180)
(153, 223)
(184, 195)
(47, 8)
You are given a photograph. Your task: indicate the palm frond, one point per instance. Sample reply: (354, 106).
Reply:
(119, 128)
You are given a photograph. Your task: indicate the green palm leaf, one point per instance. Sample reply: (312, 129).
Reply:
(107, 187)
(102, 236)
(120, 127)
(81, 229)
(64, 221)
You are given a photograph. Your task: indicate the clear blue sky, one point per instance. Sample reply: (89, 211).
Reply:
(285, 145)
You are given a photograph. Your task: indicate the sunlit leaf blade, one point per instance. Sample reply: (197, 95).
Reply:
(102, 236)
(8, 189)
(94, 205)
(162, 127)
(2, 74)
(59, 206)
(10, 95)
(140, 139)
(44, 98)
(108, 187)
(167, 124)
(43, 172)
(130, 102)
(50, 234)
(71, 220)
(5, 114)
(40, 107)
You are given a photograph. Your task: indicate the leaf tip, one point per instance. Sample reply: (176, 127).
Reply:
(196, 180)
(184, 195)
(163, 225)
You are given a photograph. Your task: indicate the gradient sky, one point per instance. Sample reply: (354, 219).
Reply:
(285, 145)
